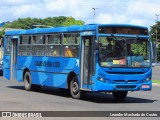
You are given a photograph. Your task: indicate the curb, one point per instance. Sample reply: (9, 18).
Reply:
(155, 66)
(156, 84)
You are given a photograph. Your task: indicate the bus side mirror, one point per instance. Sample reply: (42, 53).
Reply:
(96, 45)
(153, 51)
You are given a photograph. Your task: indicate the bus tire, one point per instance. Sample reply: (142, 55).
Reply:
(75, 92)
(28, 83)
(119, 95)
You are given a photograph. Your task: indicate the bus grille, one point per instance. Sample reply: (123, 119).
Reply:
(125, 81)
(127, 73)
(125, 86)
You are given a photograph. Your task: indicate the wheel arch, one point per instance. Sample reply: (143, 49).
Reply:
(69, 78)
(24, 71)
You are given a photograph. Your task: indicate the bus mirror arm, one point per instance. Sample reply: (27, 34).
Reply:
(153, 51)
(96, 45)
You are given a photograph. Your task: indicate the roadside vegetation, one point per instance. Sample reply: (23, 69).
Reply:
(156, 81)
(29, 23)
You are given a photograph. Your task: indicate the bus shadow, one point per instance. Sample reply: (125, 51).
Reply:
(108, 98)
(46, 90)
(90, 97)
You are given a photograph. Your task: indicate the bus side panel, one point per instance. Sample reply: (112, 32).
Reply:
(49, 79)
(49, 71)
(19, 76)
(41, 78)
(6, 65)
(54, 76)
(72, 64)
(7, 73)
(60, 80)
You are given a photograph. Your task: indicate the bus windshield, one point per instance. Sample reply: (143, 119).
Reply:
(124, 52)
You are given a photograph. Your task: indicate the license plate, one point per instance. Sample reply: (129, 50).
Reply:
(145, 86)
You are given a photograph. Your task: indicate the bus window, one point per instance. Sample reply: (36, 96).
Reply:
(38, 39)
(24, 50)
(38, 50)
(71, 45)
(24, 45)
(38, 45)
(54, 39)
(25, 40)
(53, 45)
(7, 51)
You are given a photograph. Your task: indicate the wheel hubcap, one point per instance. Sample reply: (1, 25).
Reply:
(75, 88)
(27, 80)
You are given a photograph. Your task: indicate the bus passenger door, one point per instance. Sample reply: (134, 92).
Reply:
(13, 58)
(86, 61)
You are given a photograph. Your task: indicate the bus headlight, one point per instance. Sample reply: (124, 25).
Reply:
(103, 80)
(148, 79)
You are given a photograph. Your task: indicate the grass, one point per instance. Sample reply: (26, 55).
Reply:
(156, 81)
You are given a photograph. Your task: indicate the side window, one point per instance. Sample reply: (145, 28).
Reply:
(24, 45)
(38, 39)
(38, 45)
(7, 51)
(53, 45)
(71, 43)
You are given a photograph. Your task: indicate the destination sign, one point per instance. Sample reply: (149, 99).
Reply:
(122, 30)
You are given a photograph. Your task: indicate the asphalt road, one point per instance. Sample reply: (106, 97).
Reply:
(156, 73)
(13, 97)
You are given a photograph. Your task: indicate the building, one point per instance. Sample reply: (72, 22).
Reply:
(1, 38)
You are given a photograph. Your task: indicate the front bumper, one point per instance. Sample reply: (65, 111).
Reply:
(101, 86)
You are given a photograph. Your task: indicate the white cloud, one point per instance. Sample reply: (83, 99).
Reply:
(18, 2)
(112, 18)
(143, 9)
(138, 21)
(141, 12)
(134, 12)
(103, 18)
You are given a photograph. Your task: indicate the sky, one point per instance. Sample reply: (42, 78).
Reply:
(138, 12)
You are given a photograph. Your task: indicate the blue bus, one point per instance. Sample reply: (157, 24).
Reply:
(112, 58)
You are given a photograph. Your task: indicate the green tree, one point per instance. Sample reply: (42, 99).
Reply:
(155, 32)
(2, 32)
(71, 21)
(158, 53)
(28, 23)
(155, 37)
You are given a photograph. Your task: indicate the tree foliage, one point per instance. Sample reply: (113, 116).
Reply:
(71, 21)
(2, 33)
(29, 23)
(155, 36)
(155, 31)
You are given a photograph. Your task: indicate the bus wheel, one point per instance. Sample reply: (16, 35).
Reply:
(74, 88)
(119, 95)
(28, 83)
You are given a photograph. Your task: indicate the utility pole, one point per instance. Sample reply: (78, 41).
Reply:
(157, 15)
(94, 10)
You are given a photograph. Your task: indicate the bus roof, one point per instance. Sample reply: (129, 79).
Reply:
(77, 28)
